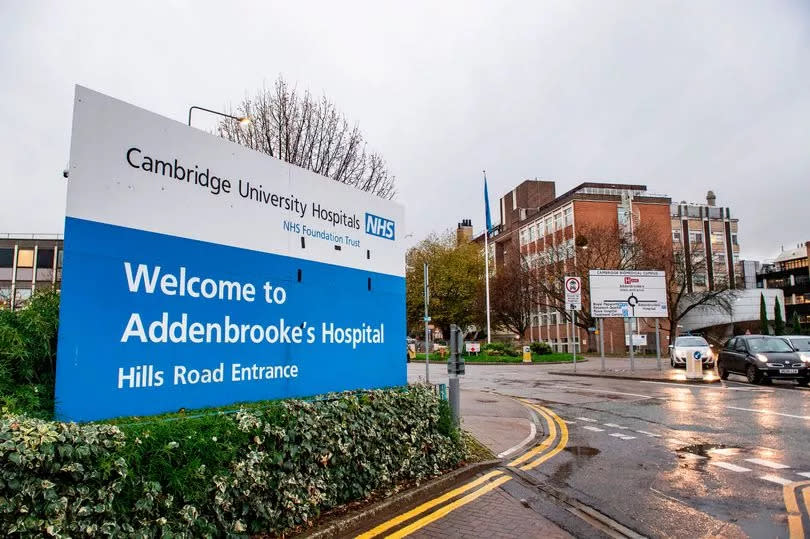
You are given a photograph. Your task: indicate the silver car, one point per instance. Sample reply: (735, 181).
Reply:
(690, 346)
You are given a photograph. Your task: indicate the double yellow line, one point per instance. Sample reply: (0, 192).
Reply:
(790, 491)
(535, 456)
(554, 423)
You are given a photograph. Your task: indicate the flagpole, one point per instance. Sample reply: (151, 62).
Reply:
(486, 255)
(486, 269)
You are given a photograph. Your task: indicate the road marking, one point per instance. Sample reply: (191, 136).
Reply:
(767, 412)
(692, 455)
(546, 443)
(526, 440)
(776, 479)
(439, 513)
(729, 466)
(614, 426)
(608, 392)
(595, 429)
(795, 527)
(587, 419)
(550, 415)
(569, 422)
(676, 441)
(703, 386)
(622, 436)
(803, 474)
(768, 464)
(648, 433)
(427, 505)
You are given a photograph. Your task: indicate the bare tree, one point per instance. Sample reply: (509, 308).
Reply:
(595, 247)
(685, 271)
(312, 134)
(513, 293)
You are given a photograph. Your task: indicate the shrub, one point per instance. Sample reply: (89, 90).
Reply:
(500, 349)
(268, 468)
(540, 348)
(28, 356)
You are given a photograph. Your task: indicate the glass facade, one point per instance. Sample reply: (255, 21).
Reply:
(27, 265)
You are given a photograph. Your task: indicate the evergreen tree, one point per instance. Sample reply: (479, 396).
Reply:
(763, 315)
(778, 323)
(797, 326)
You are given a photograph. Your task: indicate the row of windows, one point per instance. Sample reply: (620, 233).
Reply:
(718, 238)
(25, 258)
(793, 264)
(549, 225)
(557, 253)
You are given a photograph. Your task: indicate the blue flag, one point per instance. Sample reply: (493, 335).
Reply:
(486, 204)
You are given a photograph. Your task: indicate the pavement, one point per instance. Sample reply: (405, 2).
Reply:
(484, 506)
(500, 423)
(644, 368)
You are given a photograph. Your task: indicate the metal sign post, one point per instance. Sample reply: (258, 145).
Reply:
(602, 341)
(427, 330)
(632, 352)
(573, 341)
(455, 366)
(657, 345)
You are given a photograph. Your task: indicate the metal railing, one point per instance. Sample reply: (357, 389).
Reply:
(29, 236)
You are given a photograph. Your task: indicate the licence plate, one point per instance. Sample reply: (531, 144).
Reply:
(788, 371)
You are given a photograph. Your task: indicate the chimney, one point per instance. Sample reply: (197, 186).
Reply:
(464, 232)
(710, 198)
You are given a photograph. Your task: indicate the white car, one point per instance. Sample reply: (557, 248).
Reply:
(690, 346)
(800, 343)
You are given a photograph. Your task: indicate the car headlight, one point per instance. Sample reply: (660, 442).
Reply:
(762, 358)
(805, 357)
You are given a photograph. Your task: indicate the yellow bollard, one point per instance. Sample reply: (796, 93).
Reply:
(527, 354)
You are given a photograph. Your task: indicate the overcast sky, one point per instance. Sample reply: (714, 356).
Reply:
(680, 96)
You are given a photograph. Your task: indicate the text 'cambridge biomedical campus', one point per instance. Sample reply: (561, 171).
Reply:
(468, 270)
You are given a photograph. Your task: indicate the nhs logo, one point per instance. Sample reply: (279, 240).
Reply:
(379, 226)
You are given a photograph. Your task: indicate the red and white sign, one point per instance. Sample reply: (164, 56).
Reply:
(472, 347)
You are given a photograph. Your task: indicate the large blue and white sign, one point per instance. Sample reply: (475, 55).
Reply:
(200, 273)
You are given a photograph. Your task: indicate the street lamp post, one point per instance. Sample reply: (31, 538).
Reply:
(243, 120)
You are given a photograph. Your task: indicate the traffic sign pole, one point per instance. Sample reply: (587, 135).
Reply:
(573, 341)
(657, 345)
(602, 341)
(632, 352)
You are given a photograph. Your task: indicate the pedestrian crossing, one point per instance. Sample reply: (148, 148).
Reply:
(764, 469)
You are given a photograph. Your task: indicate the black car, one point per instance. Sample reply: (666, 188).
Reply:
(762, 358)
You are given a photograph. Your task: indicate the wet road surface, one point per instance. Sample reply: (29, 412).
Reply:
(667, 460)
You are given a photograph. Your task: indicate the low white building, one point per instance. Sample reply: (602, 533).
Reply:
(744, 308)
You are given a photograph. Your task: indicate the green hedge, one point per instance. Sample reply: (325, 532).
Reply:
(261, 469)
(28, 356)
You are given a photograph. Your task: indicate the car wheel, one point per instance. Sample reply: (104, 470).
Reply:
(804, 382)
(753, 375)
(722, 372)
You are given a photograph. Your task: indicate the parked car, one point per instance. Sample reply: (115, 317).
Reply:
(762, 358)
(800, 343)
(691, 346)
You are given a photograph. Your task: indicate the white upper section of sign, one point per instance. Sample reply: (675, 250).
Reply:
(133, 168)
(628, 294)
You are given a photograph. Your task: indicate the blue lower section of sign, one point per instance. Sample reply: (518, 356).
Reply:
(189, 336)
